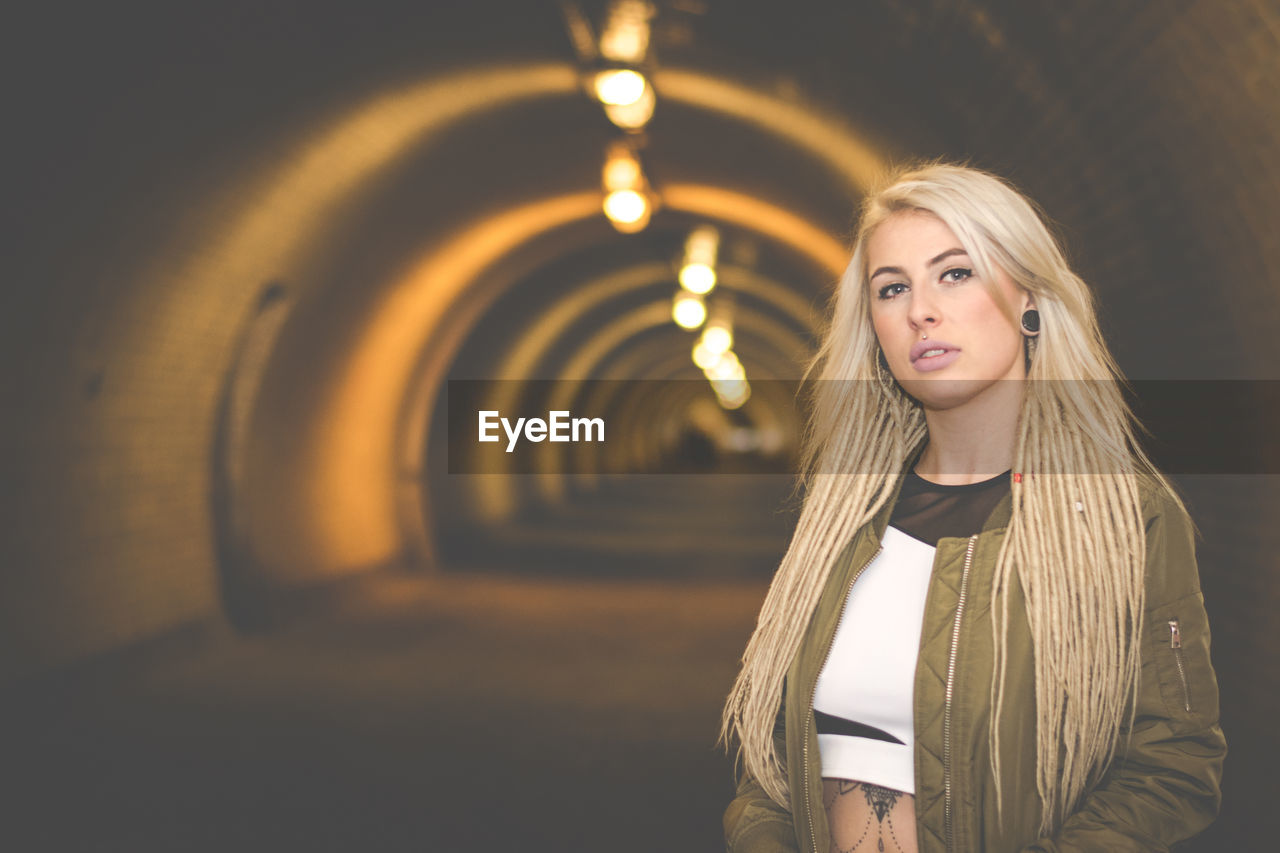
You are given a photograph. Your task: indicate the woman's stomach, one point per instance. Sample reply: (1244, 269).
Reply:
(871, 818)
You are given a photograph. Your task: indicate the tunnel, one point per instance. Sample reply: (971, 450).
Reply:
(266, 261)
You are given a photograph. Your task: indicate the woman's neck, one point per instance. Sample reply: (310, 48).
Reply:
(974, 441)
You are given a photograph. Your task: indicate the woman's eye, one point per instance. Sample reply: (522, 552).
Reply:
(957, 274)
(888, 292)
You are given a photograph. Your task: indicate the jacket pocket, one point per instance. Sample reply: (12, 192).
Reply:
(1175, 643)
(1178, 636)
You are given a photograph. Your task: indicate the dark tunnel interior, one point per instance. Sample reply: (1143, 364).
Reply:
(257, 594)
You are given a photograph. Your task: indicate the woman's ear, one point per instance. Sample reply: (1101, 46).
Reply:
(1029, 317)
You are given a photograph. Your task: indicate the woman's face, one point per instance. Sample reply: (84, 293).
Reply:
(922, 282)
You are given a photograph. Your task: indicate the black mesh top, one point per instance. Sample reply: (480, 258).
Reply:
(928, 511)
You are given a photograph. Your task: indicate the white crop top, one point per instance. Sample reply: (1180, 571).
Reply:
(869, 676)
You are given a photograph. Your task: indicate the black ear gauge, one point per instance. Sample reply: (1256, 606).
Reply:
(1031, 320)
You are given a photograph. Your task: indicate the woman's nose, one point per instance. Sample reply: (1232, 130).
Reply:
(924, 309)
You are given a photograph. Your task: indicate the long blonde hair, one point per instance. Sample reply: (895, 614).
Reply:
(1081, 571)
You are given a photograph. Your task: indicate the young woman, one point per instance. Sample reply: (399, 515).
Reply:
(987, 633)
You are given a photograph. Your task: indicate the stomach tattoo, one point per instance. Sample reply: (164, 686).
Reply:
(871, 818)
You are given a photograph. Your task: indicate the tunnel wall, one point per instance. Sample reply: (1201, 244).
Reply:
(107, 494)
(120, 320)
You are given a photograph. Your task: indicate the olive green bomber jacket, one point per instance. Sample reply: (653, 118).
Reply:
(1163, 786)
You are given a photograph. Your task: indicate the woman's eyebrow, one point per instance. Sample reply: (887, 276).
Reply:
(932, 261)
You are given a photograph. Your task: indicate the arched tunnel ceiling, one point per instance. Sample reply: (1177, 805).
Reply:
(1007, 84)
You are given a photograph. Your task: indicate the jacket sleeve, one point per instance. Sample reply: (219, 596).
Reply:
(753, 822)
(1165, 782)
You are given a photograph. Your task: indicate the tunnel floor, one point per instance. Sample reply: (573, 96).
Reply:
(476, 712)
(456, 713)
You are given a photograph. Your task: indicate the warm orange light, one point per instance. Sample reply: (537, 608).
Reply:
(704, 357)
(356, 449)
(346, 502)
(726, 366)
(731, 393)
(626, 31)
(717, 338)
(701, 245)
(633, 116)
(622, 173)
(697, 278)
(688, 311)
(698, 272)
(627, 201)
(758, 215)
(627, 209)
(620, 87)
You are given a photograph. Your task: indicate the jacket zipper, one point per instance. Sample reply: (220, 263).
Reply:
(808, 807)
(951, 676)
(1175, 643)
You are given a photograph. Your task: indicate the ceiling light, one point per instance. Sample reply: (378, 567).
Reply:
(697, 278)
(688, 311)
(620, 87)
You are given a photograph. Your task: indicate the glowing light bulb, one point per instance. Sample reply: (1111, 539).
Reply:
(704, 357)
(726, 367)
(735, 400)
(717, 338)
(688, 311)
(633, 116)
(621, 173)
(697, 278)
(626, 30)
(620, 87)
(625, 206)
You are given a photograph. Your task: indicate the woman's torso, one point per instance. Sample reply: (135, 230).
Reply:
(863, 701)
(884, 611)
(960, 804)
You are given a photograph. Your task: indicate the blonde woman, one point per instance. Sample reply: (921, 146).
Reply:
(987, 633)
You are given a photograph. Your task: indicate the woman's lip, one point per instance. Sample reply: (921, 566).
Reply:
(926, 363)
(921, 347)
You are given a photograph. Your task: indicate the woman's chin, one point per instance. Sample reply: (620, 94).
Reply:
(944, 392)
